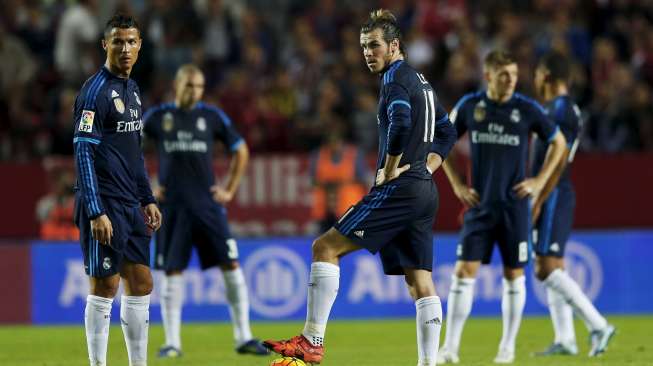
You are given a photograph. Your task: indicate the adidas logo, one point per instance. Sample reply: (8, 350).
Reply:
(359, 233)
(555, 247)
(435, 321)
(114, 94)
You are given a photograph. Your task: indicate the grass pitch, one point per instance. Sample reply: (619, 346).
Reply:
(348, 343)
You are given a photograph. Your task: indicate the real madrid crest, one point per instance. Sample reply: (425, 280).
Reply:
(479, 111)
(120, 106)
(515, 116)
(168, 122)
(201, 124)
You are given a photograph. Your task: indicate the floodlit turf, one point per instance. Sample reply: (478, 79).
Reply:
(349, 343)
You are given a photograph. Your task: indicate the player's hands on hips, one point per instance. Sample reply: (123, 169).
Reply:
(433, 162)
(383, 177)
(102, 230)
(530, 187)
(221, 195)
(153, 216)
(467, 195)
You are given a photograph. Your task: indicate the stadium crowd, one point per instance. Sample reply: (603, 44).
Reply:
(288, 70)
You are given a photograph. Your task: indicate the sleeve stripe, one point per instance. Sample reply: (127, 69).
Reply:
(399, 102)
(443, 119)
(85, 171)
(86, 139)
(94, 89)
(237, 144)
(553, 135)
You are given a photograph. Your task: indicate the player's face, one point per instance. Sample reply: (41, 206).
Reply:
(190, 88)
(376, 51)
(502, 79)
(122, 46)
(541, 74)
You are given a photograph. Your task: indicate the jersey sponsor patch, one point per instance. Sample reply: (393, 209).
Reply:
(86, 122)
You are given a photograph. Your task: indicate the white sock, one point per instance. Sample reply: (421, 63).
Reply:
(459, 305)
(560, 281)
(238, 304)
(562, 317)
(322, 291)
(512, 308)
(172, 299)
(135, 321)
(97, 317)
(429, 322)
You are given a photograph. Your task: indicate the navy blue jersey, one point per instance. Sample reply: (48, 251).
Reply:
(108, 156)
(566, 114)
(499, 133)
(411, 121)
(184, 141)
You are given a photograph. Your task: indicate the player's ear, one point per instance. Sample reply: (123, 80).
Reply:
(104, 43)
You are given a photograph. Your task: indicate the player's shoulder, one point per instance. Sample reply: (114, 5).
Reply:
(158, 110)
(400, 72)
(472, 98)
(214, 111)
(95, 86)
(528, 103)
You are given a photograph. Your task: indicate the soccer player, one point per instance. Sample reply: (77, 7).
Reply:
(114, 210)
(396, 217)
(194, 205)
(552, 227)
(499, 122)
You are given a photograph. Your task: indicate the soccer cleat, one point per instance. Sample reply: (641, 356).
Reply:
(558, 349)
(446, 356)
(599, 340)
(253, 347)
(505, 356)
(170, 352)
(298, 347)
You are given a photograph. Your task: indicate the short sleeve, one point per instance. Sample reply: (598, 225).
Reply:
(541, 124)
(226, 132)
(457, 116)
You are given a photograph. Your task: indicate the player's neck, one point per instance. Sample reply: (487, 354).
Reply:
(498, 98)
(116, 71)
(180, 105)
(555, 90)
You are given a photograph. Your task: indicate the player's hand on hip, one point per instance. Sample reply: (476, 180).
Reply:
(221, 195)
(102, 229)
(383, 177)
(467, 195)
(153, 216)
(530, 187)
(433, 162)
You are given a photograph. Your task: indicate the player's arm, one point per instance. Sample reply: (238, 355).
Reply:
(398, 112)
(546, 130)
(151, 121)
(237, 168)
(550, 184)
(152, 212)
(445, 138)
(88, 120)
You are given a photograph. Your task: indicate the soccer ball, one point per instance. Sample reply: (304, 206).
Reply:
(287, 361)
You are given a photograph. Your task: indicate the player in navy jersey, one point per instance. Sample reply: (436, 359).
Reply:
(498, 122)
(396, 217)
(114, 210)
(553, 213)
(193, 204)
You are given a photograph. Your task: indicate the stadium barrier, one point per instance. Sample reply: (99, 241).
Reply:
(611, 267)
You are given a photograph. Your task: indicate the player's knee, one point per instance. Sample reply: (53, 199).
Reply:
(512, 274)
(323, 250)
(105, 287)
(541, 271)
(231, 266)
(466, 270)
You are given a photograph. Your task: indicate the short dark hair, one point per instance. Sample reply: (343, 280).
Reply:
(557, 65)
(387, 22)
(123, 21)
(498, 58)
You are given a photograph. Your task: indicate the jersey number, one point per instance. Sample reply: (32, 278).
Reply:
(429, 115)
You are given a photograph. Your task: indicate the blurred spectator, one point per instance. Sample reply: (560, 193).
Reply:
(338, 173)
(55, 210)
(76, 51)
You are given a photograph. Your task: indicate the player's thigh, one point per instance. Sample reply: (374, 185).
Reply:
(173, 240)
(101, 260)
(513, 235)
(412, 248)
(375, 220)
(137, 248)
(212, 237)
(477, 236)
(555, 224)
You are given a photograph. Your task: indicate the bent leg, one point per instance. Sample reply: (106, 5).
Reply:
(561, 312)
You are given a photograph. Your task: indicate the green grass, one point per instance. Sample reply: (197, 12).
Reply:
(349, 343)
